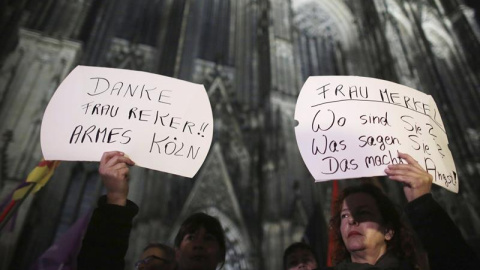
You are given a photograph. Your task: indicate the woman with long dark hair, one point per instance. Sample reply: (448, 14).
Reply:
(369, 233)
(367, 228)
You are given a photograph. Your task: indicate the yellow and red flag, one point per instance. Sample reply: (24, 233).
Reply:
(36, 179)
(39, 176)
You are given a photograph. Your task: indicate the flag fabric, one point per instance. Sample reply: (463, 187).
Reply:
(330, 236)
(62, 254)
(35, 180)
(39, 176)
(8, 205)
(7, 210)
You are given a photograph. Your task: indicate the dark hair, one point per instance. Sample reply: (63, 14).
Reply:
(202, 220)
(169, 251)
(294, 247)
(401, 244)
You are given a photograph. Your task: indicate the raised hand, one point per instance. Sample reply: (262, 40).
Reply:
(114, 168)
(416, 181)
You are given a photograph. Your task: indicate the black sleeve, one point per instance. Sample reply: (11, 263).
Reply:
(445, 245)
(106, 240)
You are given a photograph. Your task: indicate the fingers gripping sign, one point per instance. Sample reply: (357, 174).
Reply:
(416, 181)
(114, 169)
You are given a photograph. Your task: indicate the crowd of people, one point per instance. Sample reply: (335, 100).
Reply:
(367, 229)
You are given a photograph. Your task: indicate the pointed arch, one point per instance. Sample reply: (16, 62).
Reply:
(321, 17)
(213, 194)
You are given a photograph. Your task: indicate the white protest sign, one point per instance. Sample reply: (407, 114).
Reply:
(350, 127)
(161, 123)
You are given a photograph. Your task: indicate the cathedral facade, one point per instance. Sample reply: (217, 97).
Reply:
(253, 57)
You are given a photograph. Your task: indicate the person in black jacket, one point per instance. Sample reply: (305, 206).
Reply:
(199, 244)
(370, 235)
(368, 231)
(106, 240)
(445, 246)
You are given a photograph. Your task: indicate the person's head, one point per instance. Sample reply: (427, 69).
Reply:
(299, 256)
(156, 256)
(200, 243)
(366, 222)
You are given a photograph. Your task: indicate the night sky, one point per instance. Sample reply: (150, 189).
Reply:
(475, 4)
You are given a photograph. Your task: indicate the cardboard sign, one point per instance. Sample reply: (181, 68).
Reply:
(351, 127)
(161, 123)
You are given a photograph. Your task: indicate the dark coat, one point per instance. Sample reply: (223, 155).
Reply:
(445, 246)
(386, 262)
(106, 240)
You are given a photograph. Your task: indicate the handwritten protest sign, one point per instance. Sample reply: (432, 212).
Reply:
(161, 123)
(351, 127)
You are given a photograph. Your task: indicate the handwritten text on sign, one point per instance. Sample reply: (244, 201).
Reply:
(352, 127)
(161, 123)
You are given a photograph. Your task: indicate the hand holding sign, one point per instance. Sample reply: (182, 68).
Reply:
(416, 181)
(162, 123)
(114, 169)
(352, 127)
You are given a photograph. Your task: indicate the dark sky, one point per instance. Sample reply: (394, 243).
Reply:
(474, 4)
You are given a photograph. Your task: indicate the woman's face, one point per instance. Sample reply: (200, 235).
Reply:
(301, 259)
(198, 250)
(361, 226)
